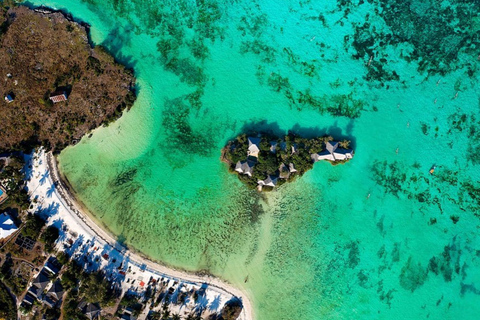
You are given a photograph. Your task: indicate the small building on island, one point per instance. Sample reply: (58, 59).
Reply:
(271, 181)
(245, 167)
(285, 171)
(9, 98)
(273, 146)
(58, 96)
(253, 147)
(333, 152)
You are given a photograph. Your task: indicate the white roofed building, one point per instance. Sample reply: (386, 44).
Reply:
(271, 181)
(343, 154)
(253, 147)
(333, 152)
(7, 226)
(292, 168)
(245, 167)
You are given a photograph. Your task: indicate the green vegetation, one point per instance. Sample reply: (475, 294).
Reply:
(96, 289)
(130, 301)
(268, 162)
(98, 88)
(63, 258)
(231, 310)
(92, 287)
(33, 226)
(72, 275)
(7, 304)
(14, 281)
(70, 309)
(49, 236)
(12, 177)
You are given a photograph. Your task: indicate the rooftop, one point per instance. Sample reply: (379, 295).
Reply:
(41, 281)
(253, 146)
(58, 96)
(9, 98)
(3, 195)
(7, 226)
(333, 152)
(56, 291)
(271, 181)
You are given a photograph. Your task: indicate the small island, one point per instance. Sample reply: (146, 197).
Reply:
(265, 161)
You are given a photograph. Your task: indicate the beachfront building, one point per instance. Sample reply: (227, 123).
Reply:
(245, 167)
(7, 226)
(271, 181)
(333, 152)
(253, 147)
(58, 96)
(8, 98)
(3, 195)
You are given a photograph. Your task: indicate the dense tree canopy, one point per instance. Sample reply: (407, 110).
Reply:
(289, 149)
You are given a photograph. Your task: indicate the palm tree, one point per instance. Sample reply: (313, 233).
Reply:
(166, 315)
(345, 144)
(176, 317)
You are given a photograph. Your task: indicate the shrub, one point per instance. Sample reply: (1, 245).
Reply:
(49, 236)
(33, 225)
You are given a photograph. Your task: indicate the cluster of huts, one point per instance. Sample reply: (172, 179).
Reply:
(50, 292)
(246, 166)
(332, 152)
(43, 289)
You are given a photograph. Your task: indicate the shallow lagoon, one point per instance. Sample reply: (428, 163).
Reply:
(376, 238)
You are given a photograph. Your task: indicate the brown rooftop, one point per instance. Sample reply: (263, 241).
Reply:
(58, 96)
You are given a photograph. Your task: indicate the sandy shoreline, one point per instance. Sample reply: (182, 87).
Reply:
(86, 224)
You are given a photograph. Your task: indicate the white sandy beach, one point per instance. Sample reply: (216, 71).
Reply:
(81, 237)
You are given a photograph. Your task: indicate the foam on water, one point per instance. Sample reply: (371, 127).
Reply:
(376, 238)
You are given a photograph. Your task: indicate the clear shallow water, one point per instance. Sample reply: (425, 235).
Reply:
(319, 248)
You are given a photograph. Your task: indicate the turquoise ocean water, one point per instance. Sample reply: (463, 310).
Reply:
(377, 238)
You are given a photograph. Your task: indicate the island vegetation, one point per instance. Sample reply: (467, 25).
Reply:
(266, 161)
(43, 55)
(7, 304)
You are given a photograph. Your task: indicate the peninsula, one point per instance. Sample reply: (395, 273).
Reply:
(265, 161)
(56, 87)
